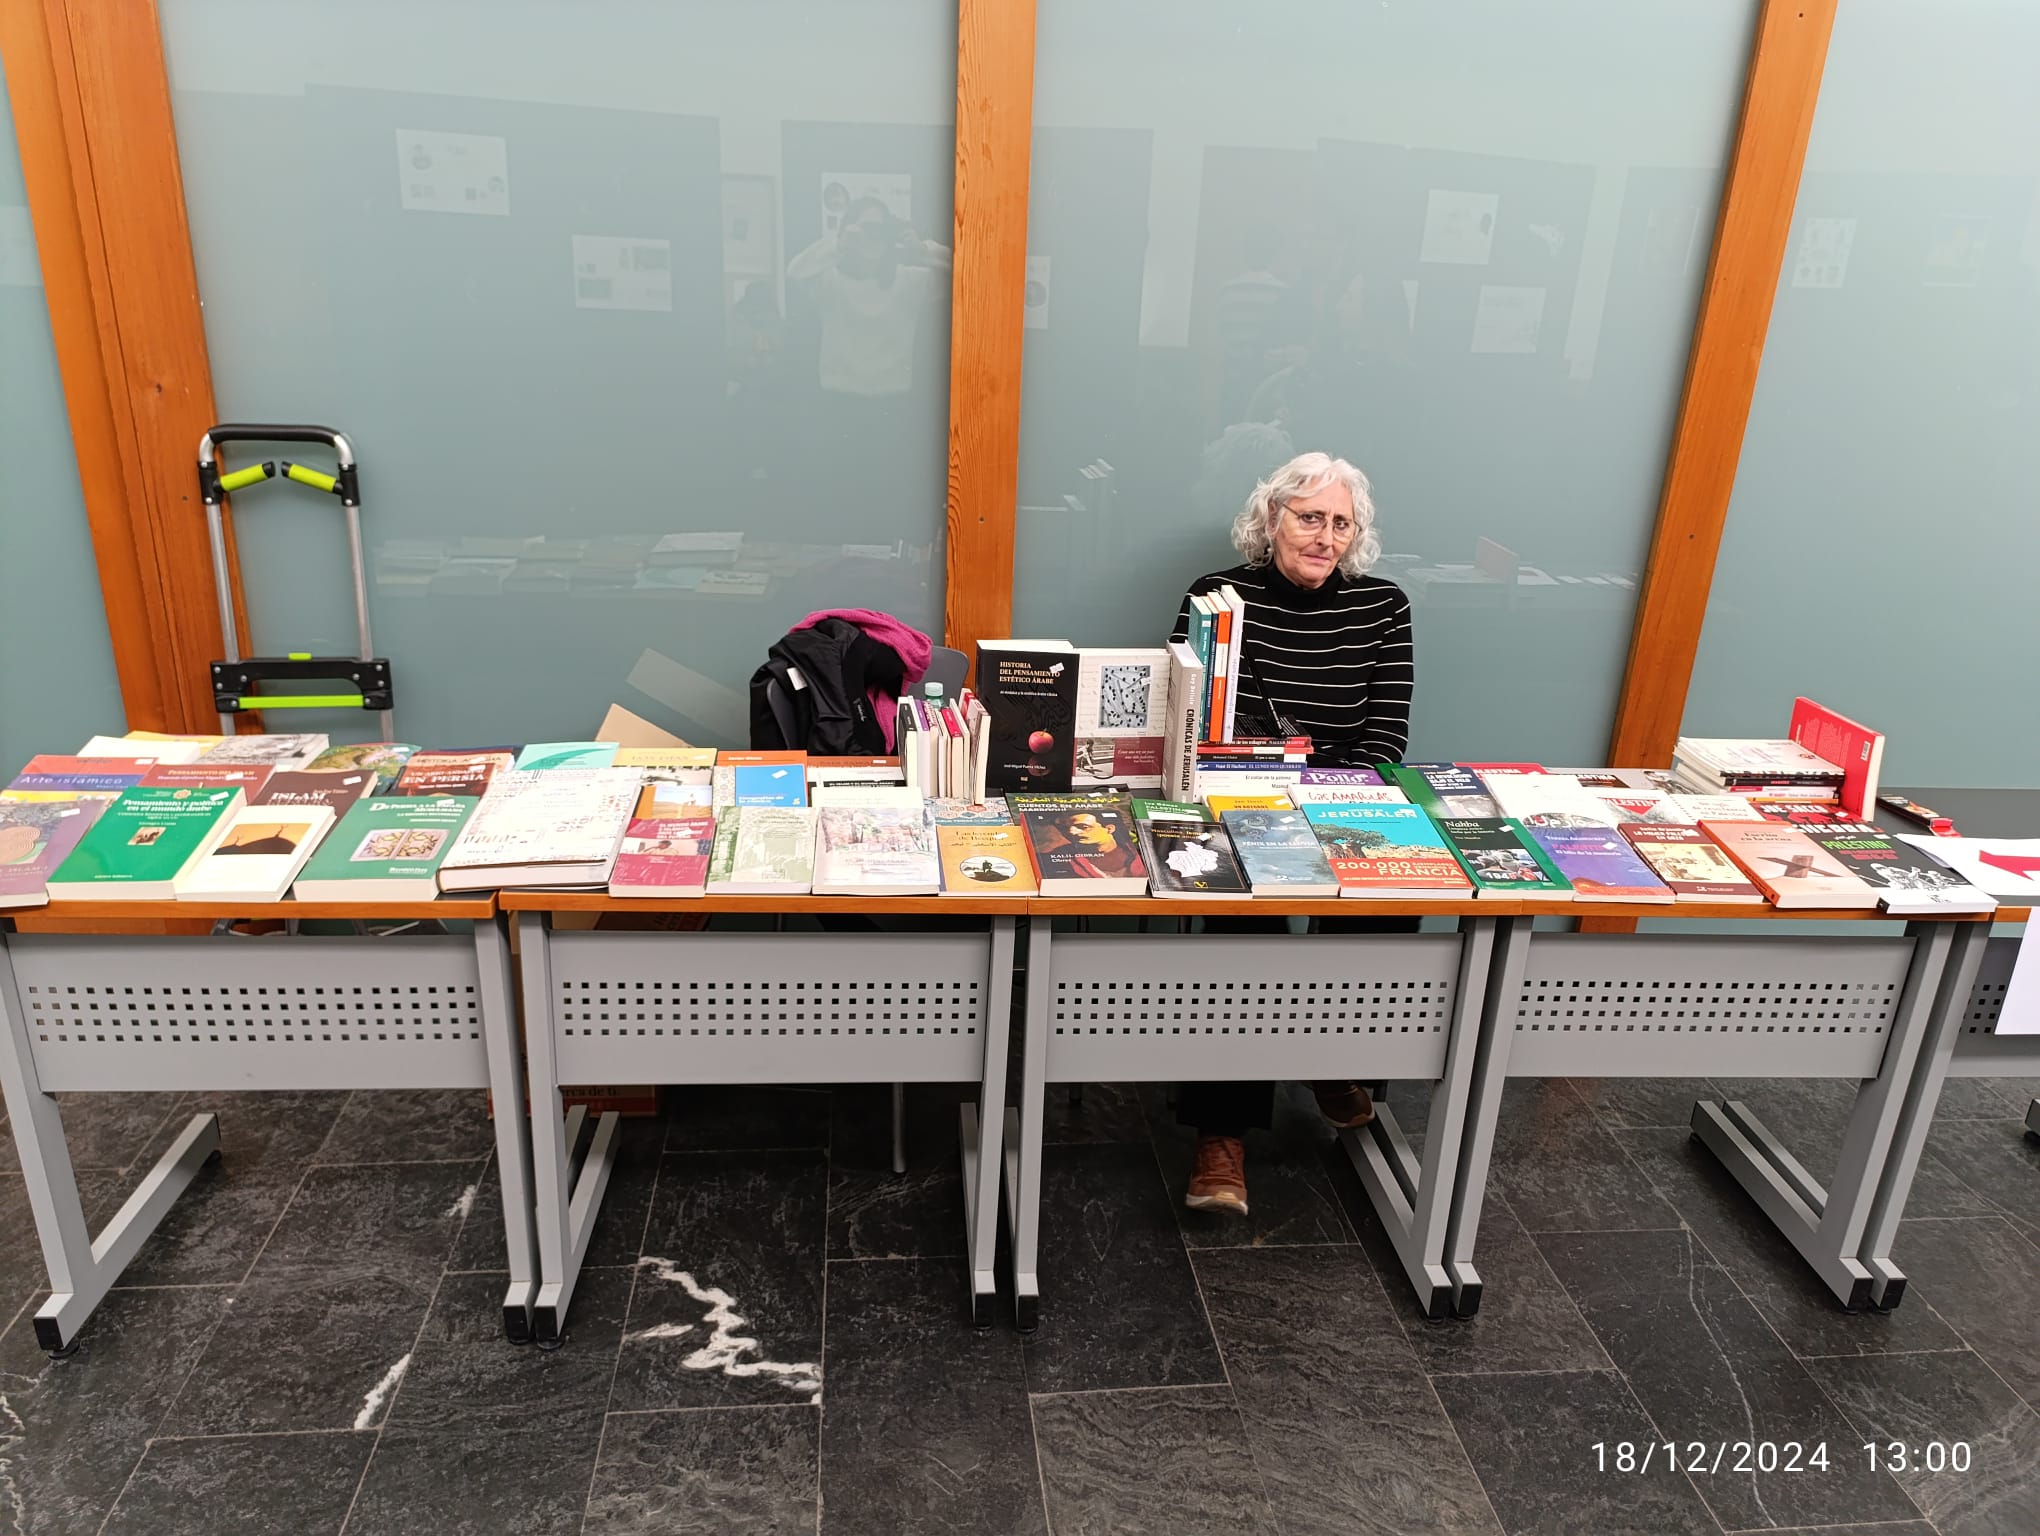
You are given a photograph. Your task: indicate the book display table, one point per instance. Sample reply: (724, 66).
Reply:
(1753, 1004)
(112, 1012)
(883, 1006)
(1146, 1007)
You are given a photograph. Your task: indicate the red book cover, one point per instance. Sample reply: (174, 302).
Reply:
(667, 857)
(1855, 749)
(1788, 866)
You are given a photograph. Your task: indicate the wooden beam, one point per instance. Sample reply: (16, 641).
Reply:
(1750, 237)
(994, 138)
(99, 156)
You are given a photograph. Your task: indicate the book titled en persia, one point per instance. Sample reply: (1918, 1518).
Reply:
(35, 837)
(984, 860)
(1689, 862)
(1600, 864)
(386, 848)
(763, 850)
(1788, 866)
(1501, 860)
(1086, 851)
(875, 850)
(1191, 860)
(1030, 689)
(465, 773)
(1280, 853)
(1907, 882)
(144, 844)
(336, 791)
(279, 749)
(664, 857)
(1122, 717)
(259, 855)
(1387, 852)
(548, 827)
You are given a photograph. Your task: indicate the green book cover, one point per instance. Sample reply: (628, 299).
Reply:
(567, 754)
(1169, 810)
(1498, 857)
(722, 853)
(144, 840)
(386, 848)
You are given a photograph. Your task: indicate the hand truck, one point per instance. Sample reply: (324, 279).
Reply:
(234, 678)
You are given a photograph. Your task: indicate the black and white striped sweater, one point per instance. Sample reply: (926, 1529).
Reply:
(1336, 658)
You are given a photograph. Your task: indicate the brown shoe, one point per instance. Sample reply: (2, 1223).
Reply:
(1346, 1105)
(1218, 1179)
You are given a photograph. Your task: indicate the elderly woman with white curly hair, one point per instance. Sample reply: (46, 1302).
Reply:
(1327, 647)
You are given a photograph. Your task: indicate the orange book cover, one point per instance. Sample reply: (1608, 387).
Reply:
(1788, 866)
(1221, 680)
(979, 860)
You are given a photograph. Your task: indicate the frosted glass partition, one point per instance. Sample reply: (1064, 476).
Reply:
(569, 277)
(1460, 244)
(57, 683)
(1884, 536)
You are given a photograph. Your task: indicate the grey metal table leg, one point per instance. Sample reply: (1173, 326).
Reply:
(1489, 1074)
(1416, 1201)
(983, 1130)
(1967, 944)
(1025, 1130)
(1830, 1227)
(565, 1204)
(513, 1128)
(82, 1268)
(899, 1127)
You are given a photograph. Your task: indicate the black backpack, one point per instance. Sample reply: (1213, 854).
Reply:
(828, 710)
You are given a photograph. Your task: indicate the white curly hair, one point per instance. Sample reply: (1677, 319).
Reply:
(1253, 531)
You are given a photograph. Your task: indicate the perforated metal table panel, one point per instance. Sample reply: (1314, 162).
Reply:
(885, 1006)
(1239, 1007)
(162, 1014)
(145, 1014)
(1980, 1051)
(1761, 1005)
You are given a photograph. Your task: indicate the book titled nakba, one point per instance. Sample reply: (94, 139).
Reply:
(386, 849)
(1501, 859)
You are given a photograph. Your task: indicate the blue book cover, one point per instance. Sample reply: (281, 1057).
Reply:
(1280, 853)
(782, 784)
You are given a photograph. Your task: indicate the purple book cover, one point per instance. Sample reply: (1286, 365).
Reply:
(1340, 776)
(35, 837)
(1600, 864)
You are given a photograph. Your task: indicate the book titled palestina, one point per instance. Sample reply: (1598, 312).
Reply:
(1387, 852)
(1600, 864)
(547, 827)
(1280, 853)
(1906, 881)
(875, 850)
(1086, 851)
(1191, 860)
(665, 857)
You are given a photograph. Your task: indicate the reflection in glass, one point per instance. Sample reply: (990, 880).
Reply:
(629, 398)
(1881, 544)
(1460, 245)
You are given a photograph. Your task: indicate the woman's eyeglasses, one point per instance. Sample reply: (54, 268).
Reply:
(1343, 528)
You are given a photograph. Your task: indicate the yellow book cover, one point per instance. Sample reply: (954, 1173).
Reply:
(985, 861)
(1220, 804)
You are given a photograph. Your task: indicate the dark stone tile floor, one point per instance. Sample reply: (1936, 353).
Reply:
(771, 1336)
